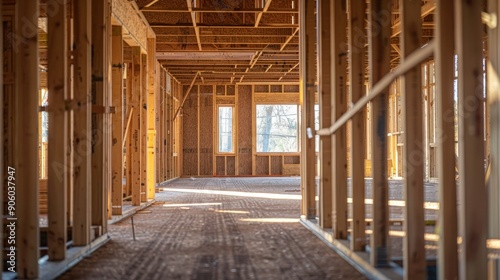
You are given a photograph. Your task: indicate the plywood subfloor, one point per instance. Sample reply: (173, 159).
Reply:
(217, 228)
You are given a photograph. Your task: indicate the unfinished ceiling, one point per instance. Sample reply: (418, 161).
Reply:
(234, 41)
(228, 41)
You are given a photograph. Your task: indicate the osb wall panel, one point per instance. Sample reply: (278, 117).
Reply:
(291, 88)
(262, 165)
(261, 88)
(244, 130)
(124, 12)
(206, 130)
(231, 165)
(190, 133)
(276, 165)
(291, 159)
(220, 165)
(276, 88)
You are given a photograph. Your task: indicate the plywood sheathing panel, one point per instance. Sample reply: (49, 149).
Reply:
(230, 165)
(125, 13)
(190, 134)
(261, 165)
(220, 163)
(261, 88)
(291, 88)
(206, 130)
(169, 18)
(276, 165)
(276, 88)
(291, 159)
(244, 130)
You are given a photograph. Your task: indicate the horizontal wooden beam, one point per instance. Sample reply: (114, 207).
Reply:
(222, 10)
(202, 25)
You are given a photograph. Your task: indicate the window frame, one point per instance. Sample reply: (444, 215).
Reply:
(255, 133)
(233, 130)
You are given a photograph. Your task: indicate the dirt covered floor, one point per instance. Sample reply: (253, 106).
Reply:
(217, 228)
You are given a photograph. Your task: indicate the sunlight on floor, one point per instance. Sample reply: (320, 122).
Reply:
(271, 220)
(233, 193)
(192, 204)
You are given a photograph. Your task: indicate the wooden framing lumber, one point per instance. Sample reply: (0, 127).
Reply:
(356, 41)
(287, 41)
(186, 96)
(58, 123)
(117, 121)
(379, 33)
(100, 13)
(445, 67)
(144, 125)
(127, 126)
(151, 119)
(108, 120)
(339, 106)
(82, 128)
(413, 162)
(25, 159)
(325, 118)
(307, 91)
(135, 147)
(2, 143)
(194, 20)
(260, 14)
(473, 209)
(493, 97)
(70, 119)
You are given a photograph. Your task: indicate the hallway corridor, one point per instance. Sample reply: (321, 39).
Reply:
(217, 228)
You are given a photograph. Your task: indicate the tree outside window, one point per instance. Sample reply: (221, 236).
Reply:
(277, 128)
(225, 129)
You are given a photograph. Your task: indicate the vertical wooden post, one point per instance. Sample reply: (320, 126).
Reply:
(58, 124)
(163, 126)
(325, 118)
(413, 162)
(70, 118)
(108, 121)
(117, 94)
(339, 105)
(445, 120)
(2, 143)
(144, 126)
(26, 139)
(473, 209)
(99, 79)
(135, 148)
(357, 57)
(379, 65)
(493, 96)
(129, 130)
(151, 119)
(82, 132)
(307, 90)
(169, 138)
(160, 80)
